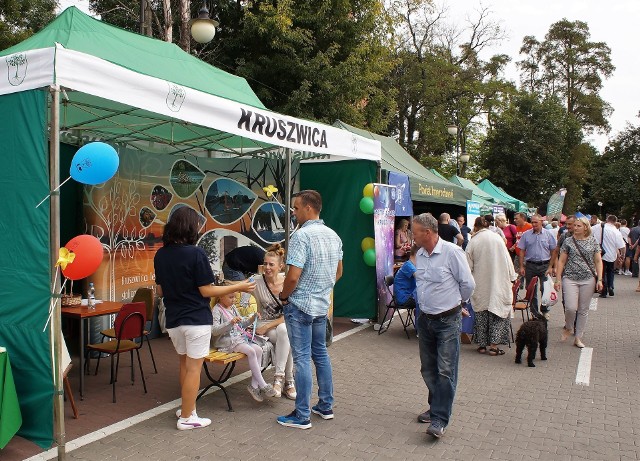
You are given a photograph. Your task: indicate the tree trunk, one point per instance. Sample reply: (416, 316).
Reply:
(168, 21)
(185, 15)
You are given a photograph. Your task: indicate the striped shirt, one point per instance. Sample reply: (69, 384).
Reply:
(316, 249)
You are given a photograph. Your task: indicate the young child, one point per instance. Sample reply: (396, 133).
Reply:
(230, 336)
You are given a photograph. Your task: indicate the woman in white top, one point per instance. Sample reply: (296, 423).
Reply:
(272, 325)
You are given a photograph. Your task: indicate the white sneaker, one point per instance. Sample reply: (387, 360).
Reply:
(192, 422)
(578, 343)
(628, 273)
(179, 412)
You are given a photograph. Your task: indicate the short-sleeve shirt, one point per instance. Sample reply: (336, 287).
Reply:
(519, 231)
(447, 232)
(180, 270)
(316, 249)
(404, 283)
(538, 246)
(576, 267)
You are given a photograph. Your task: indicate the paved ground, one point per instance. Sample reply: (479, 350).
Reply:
(503, 411)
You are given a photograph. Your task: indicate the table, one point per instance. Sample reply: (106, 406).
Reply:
(10, 417)
(82, 313)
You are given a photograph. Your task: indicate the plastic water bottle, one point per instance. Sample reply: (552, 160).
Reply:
(91, 296)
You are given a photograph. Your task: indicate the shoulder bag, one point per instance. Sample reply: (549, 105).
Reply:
(601, 239)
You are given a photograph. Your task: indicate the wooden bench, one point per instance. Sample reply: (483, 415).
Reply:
(228, 359)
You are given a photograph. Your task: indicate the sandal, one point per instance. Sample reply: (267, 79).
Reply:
(482, 350)
(495, 351)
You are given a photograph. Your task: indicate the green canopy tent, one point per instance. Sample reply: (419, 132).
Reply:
(486, 201)
(80, 79)
(498, 193)
(425, 185)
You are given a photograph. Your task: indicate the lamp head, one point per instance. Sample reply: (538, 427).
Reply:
(203, 28)
(464, 157)
(452, 130)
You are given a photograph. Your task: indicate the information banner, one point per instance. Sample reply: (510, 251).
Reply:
(498, 209)
(473, 211)
(384, 213)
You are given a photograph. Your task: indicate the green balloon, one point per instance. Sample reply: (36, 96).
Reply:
(366, 205)
(369, 257)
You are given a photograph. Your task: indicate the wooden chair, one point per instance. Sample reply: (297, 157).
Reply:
(68, 392)
(144, 295)
(523, 305)
(394, 307)
(129, 325)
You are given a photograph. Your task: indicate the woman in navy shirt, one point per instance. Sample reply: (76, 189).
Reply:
(185, 279)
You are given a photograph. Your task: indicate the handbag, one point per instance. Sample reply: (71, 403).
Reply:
(593, 272)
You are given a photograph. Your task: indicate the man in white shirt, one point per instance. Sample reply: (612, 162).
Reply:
(624, 230)
(613, 246)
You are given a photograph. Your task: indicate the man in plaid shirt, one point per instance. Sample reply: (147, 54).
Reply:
(314, 260)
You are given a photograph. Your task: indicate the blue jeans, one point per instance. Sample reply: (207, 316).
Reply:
(307, 336)
(439, 341)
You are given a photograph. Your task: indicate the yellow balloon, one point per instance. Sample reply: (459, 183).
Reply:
(367, 243)
(368, 190)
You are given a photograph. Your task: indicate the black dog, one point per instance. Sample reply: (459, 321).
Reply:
(531, 334)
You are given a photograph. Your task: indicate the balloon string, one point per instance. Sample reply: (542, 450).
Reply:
(49, 195)
(54, 299)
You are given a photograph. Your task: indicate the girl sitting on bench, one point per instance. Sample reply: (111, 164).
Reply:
(230, 336)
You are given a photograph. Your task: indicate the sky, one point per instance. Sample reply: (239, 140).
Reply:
(613, 22)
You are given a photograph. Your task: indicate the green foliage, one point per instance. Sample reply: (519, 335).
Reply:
(569, 66)
(20, 19)
(616, 181)
(441, 80)
(323, 60)
(529, 150)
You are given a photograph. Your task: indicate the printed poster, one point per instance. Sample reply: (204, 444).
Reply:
(404, 206)
(384, 213)
(128, 213)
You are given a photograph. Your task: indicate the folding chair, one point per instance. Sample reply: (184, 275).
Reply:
(129, 326)
(394, 307)
(523, 305)
(144, 295)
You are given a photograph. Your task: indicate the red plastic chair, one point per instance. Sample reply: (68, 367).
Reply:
(128, 326)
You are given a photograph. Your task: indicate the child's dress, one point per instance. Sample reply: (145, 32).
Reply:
(225, 335)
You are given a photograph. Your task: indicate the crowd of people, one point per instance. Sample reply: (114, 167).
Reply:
(446, 269)
(449, 267)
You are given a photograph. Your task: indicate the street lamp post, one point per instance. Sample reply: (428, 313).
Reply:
(600, 205)
(460, 157)
(453, 131)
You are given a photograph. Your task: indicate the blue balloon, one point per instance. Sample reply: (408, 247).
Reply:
(94, 163)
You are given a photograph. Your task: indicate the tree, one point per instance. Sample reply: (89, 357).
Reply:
(19, 19)
(441, 80)
(617, 182)
(322, 60)
(570, 67)
(529, 150)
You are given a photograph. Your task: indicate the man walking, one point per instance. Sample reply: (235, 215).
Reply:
(536, 246)
(610, 238)
(314, 261)
(444, 282)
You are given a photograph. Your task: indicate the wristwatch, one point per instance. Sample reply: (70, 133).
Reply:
(283, 300)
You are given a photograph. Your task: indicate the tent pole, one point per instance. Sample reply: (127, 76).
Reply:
(287, 198)
(54, 245)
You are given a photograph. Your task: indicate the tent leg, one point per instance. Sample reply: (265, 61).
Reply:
(287, 198)
(54, 244)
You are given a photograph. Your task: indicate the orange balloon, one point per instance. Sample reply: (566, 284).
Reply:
(88, 251)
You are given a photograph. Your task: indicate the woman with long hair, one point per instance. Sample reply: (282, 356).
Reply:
(272, 325)
(185, 279)
(579, 266)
